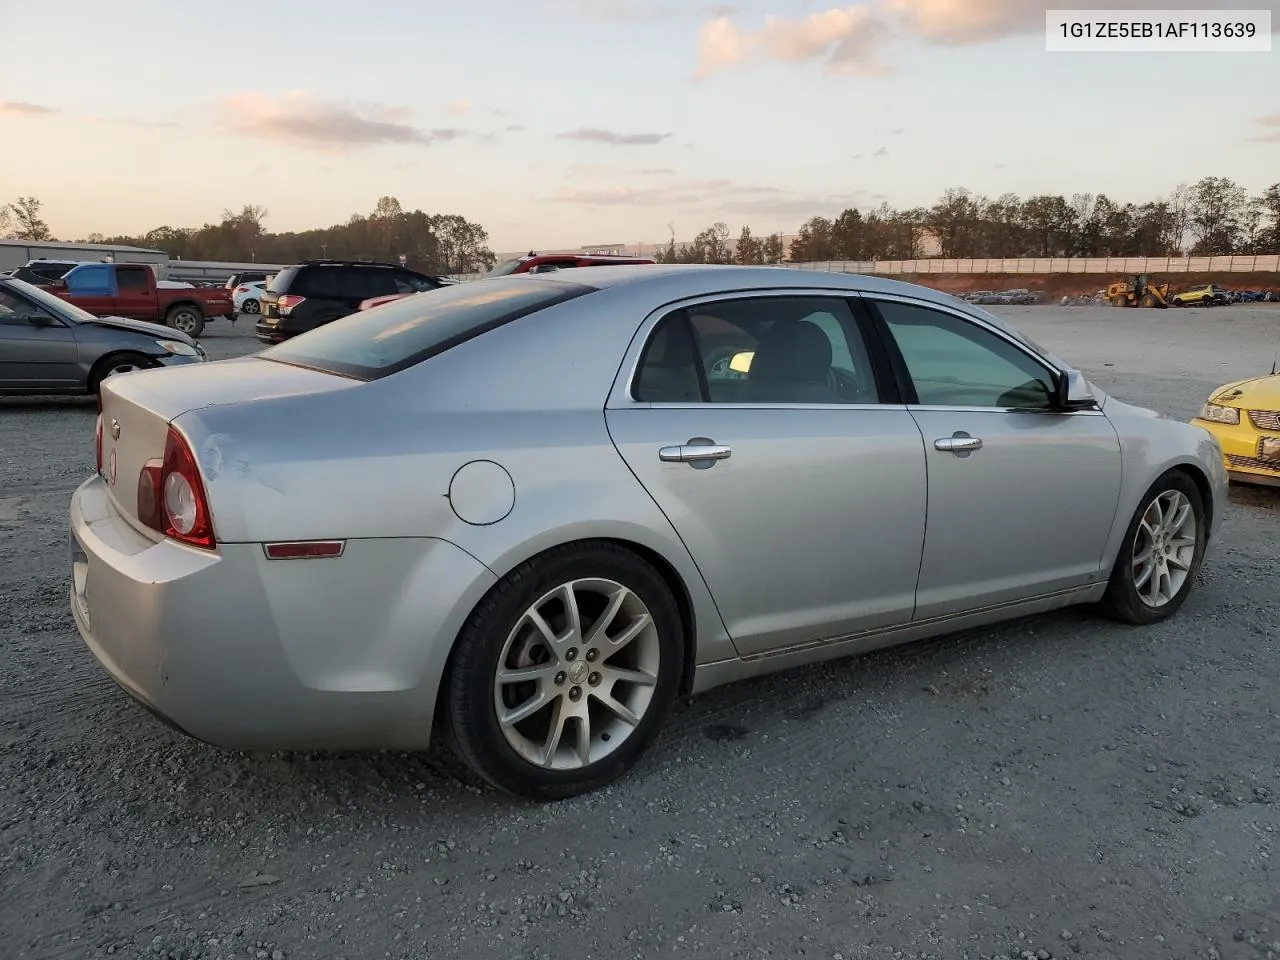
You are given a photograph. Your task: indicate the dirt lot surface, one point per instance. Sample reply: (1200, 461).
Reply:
(1057, 787)
(1055, 286)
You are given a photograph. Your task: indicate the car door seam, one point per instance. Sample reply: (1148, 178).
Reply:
(670, 523)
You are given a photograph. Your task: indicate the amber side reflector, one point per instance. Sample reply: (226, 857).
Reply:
(304, 549)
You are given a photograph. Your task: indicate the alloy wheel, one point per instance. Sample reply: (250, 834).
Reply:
(1164, 548)
(577, 674)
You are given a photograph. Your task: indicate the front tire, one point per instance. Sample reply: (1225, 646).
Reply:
(565, 672)
(185, 319)
(117, 363)
(1161, 554)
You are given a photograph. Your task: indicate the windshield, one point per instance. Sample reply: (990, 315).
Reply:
(504, 268)
(55, 305)
(385, 339)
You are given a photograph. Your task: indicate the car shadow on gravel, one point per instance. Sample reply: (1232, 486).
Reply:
(785, 719)
(1255, 495)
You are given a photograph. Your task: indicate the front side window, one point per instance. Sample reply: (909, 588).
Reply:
(955, 363)
(13, 309)
(409, 283)
(761, 350)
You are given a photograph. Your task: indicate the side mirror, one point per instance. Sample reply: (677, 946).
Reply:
(39, 319)
(1074, 392)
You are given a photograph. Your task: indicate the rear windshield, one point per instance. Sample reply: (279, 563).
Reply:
(376, 343)
(280, 282)
(504, 268)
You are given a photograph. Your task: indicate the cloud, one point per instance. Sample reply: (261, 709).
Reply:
(882, 152)
(847, 38)
(604, 170)
(459, 107)
(612, 137)
(1270, 126)
(20, 108)
(850, 38)
(714, 198)
(630, 11)
(297, 119)
(133, 122)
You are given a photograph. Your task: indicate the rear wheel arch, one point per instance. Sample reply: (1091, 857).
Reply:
(463, 726)
(652, 558)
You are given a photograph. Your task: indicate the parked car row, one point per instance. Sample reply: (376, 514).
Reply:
(987, 297)
(49, 345)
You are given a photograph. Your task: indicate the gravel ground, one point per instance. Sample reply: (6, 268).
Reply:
(1057, 787)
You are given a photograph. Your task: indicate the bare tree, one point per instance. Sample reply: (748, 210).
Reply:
(26, 212)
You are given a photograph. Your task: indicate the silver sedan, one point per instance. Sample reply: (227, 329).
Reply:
(532, 511)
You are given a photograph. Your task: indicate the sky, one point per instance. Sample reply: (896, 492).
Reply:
(581, 122)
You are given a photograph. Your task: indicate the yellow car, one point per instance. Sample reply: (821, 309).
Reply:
(1245, 418)
(1208, 295)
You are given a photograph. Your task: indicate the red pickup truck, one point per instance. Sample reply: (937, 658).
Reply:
(130, 290)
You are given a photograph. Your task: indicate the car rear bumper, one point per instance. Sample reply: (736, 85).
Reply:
(269, 332)
(249, 653)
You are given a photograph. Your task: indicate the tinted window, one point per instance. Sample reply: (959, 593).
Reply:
(283, 280)
(54, 306)
(953, 362)
(375, 343)
(131, 278)
(669, 367)
(13, 309)
(764, 350)
(412, 283)
(374, 282)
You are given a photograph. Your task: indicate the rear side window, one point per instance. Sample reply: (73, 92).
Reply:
(283, 281)
(377, 343)
(131, 278)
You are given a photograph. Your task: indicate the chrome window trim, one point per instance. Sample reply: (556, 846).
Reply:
(621, 396)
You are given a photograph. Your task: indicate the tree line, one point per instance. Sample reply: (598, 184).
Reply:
(432, 243)
(1213, 216)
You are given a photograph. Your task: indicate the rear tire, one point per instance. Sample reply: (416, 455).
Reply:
(185, 319)
(1160, 557)
(579, 707)
(249, 306)
(116, 363)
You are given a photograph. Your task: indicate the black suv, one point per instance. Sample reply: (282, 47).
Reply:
(311, 294)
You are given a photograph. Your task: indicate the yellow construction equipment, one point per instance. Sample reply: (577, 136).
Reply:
(1137, 291)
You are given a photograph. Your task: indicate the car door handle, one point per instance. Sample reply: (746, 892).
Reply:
(957, 444)
(692, 452)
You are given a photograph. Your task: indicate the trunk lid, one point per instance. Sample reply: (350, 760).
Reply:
(138, 407)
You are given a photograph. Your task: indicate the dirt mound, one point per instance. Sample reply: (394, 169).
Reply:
(1054, 286)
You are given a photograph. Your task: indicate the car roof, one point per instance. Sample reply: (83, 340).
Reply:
(692, 279)
(667, 282)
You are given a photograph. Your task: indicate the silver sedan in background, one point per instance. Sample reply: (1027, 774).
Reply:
(535, 510)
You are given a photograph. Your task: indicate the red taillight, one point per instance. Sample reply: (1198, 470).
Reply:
(287, 302)
(242, 289)
(97, 440)
(171, 497)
